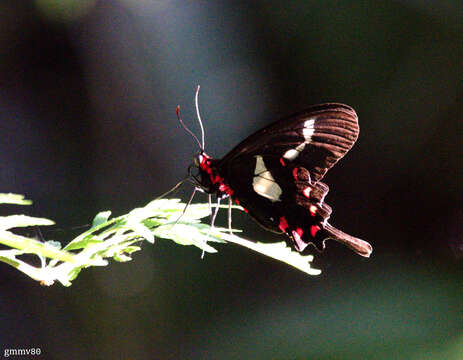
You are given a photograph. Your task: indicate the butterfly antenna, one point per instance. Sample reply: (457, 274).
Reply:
(199, 116)
(186, 128)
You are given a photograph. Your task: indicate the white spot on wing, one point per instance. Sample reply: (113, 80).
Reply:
(291, 154)
(263, 182)
(307, 132)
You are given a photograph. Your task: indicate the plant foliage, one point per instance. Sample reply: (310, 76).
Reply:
(119, 237)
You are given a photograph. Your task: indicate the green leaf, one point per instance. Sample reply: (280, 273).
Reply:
(101, 218)
(184, 235)
(279, 251)
(9, 259)
(82, 243)
(121, 257)
(73, 274)
(15, 221)
(14, 199)
(132, 249)
(141, 230)
(32, 246)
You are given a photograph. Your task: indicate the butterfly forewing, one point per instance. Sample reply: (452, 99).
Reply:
(315, 139)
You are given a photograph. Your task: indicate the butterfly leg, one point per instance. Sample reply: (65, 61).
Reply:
(186, 207)
(213, 216)
(230, 215)
(209, 198)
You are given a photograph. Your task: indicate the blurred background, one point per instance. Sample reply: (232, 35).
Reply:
(88, 91)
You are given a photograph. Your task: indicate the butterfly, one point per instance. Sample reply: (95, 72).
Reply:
(275, 174)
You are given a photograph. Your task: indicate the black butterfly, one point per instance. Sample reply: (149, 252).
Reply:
(275, 174)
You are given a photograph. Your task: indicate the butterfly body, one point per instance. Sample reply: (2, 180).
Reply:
(275, 174)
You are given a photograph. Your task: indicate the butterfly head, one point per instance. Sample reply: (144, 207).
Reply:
(198, 159)
(207, 177)
(199, 171)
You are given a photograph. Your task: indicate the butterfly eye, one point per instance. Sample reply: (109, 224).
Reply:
(198, 159)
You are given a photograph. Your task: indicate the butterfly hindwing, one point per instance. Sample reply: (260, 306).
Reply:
(277, 198)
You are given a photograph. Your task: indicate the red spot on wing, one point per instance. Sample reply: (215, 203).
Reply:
(295, 171)
(307, 191)
(245, 210)
(299, 231)
(314, 229)
(283, 224)
(313, 210)
(282, 162)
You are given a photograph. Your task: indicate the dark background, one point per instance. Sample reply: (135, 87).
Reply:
(88, 92)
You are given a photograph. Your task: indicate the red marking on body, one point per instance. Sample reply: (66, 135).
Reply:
(307, 191)
(283, 224)
(314, 229)
(215, 178)
(205, 164)
(295, 171)
(282, 162)
(226, 189)
(313, 210)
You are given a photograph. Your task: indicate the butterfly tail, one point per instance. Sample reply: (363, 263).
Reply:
(359, 246)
